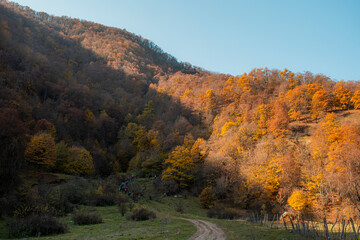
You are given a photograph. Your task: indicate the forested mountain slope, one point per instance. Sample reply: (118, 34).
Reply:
(86, 82)
(267, 139)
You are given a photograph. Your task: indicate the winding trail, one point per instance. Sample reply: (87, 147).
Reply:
(206, 230)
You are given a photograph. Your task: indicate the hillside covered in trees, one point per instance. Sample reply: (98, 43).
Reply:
(83, 99)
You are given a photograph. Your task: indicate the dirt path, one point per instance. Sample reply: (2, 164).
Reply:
(206, 230)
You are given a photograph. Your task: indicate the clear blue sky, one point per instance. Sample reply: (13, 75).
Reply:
(234, 36)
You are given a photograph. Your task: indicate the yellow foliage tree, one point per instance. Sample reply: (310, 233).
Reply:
(298, 200)
(279, 122)
(244, 83)
(41, 150)
(312, 89)
(180, 164)
(229, 92)
(261, 117)
(355, 100)
(298, 101)
(294, 81)
(227, 126)
(207, 197)
(264, 179)
(320, 103)
(342, 96)
(80, 162)
(209, 99)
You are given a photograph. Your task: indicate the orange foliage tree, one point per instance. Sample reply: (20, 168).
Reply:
(320, 103)
(298, 101)
(355, 100)
(342, 96)
(279, 121)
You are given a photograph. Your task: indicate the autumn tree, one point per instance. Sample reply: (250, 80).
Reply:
(209, 100)
(207, 197)
(298, 200)
(279, 121)
(45, 126)
(298, 102)
(342, 96)
(261, 118)
(320, 103)
(180, 165)
(41, 150)
(355, 100)
(80, 162)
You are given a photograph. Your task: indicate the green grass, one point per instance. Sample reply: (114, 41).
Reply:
(245, 230)
(117, 227)
(164, 226)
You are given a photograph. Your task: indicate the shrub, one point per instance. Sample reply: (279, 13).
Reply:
(141, 214)
(207, 198)
(104, 200)
(122, 208)
(136, 191)
(35, 226)
(76, 191)
(86, 218)
(168, 186)
(179, 207)
(122, 205)
(221, 213)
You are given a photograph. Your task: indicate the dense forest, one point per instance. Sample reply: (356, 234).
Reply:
(83, 99)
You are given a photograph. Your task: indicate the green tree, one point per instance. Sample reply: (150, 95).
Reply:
(41, 150)
(80, 162)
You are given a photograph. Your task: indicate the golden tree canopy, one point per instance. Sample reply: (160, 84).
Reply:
(41, 150)
(80, 162)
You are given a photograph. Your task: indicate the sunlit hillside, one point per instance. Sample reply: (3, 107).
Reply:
(81, 99)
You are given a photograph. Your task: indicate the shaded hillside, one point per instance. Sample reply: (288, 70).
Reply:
(51, 75)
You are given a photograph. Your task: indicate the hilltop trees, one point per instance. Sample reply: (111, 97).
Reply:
(320, 103)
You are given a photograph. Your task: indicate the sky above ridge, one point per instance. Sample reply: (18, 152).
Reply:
(235, 36)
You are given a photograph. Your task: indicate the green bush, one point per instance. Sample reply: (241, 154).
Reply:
(86, 218)
(76, 191)
(35, 225)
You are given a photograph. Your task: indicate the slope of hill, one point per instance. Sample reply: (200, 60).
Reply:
(87, 80)
(81, 98)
